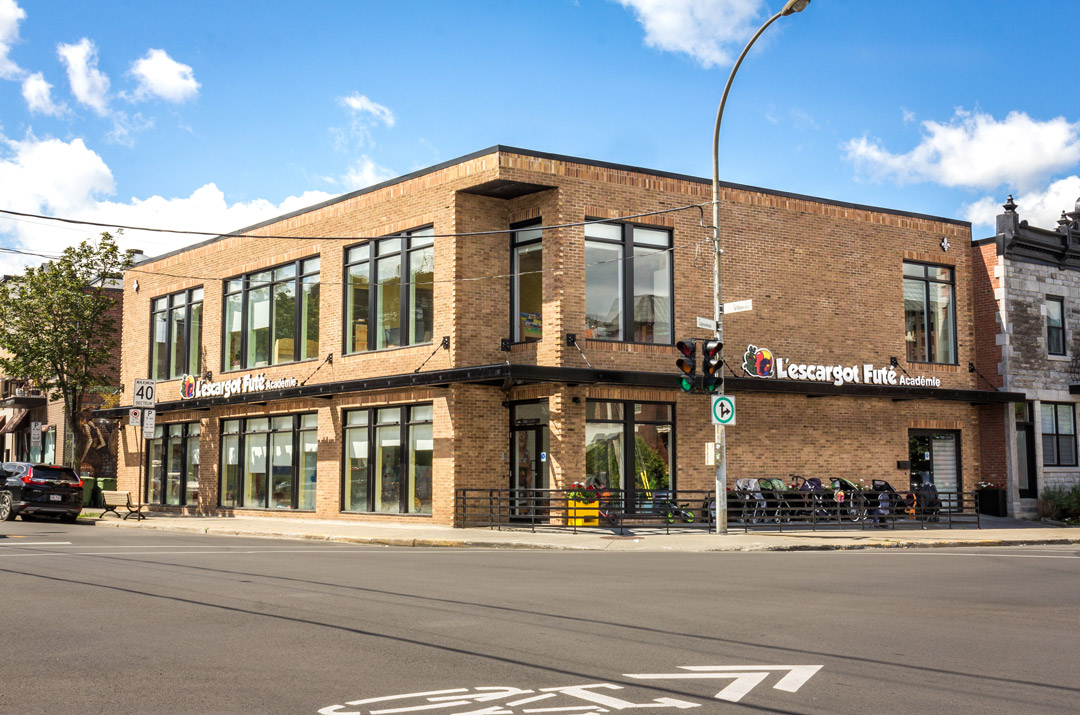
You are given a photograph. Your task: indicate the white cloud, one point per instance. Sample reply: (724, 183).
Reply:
(909, 116)
(366, 114)
(975, 150)
(1040, 208)
(89, 85)
(38, 95)
(362, 105)
(364, 173)
(125, 126)
(30, 183)
(710, 31)
(10, 17)
(161, 76)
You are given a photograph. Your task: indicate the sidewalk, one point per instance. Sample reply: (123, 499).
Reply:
(995, 532)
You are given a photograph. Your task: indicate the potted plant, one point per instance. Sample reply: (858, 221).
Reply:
(583, 505)
(991, 499)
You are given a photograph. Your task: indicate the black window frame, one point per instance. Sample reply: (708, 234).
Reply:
(406, 251)
(927, 281)
(405, 422)
(626, 258)
(1057, 435)
(185, 436)
(189, 302)
(245, 280)
(241, 453)
(629, 421)
(1057, 331)
(515, 243)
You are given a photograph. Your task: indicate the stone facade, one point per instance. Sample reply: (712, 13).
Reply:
(825, 279)
(1024, 267)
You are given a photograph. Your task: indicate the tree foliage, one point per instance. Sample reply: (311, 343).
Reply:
(55, 327)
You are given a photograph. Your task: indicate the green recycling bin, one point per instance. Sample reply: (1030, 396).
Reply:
(89, 484)
(104, 484)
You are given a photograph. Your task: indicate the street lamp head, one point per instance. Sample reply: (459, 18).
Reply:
(794, 6)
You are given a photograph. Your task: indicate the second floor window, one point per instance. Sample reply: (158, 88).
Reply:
(929, 313)
(390, 296)
(1055, 325)
(527, 319)
(272, 317)
(628, 283)
(176, 326)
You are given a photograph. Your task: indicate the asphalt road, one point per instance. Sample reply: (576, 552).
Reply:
(129, 621)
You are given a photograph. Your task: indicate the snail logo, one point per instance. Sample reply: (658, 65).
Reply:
(187, 387)
(758, 363)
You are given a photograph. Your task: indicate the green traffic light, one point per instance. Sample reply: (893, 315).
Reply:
(686, 383)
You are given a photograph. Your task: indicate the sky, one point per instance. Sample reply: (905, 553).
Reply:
(212, 116)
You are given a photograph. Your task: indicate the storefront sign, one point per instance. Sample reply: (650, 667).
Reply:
(760, 362)
(192, 386)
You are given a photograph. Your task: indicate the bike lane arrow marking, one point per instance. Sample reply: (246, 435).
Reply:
(746, 677)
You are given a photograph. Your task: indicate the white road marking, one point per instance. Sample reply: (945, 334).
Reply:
(37, 543)
(746, 677)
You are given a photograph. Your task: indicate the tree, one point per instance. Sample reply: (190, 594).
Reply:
(55, 327)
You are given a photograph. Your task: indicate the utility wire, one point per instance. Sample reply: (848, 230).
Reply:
(234, 234)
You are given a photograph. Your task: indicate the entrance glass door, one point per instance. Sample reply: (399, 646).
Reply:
(528, 458)
(935, 457)
(1026, 475)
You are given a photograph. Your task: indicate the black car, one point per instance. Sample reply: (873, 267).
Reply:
(39, 490)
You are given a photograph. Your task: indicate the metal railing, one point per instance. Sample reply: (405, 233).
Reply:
(563, 509)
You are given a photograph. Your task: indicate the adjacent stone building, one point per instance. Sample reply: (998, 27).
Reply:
(508, 320)
(1028, 293)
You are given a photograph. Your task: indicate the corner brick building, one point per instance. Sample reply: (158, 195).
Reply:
(369, 357)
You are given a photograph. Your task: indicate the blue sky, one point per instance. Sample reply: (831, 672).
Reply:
(215, 115)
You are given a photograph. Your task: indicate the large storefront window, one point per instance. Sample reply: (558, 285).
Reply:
(528, 283)
(1058, 434)
(637, 435)
(389, 297)
(388, 460)
(929, 313)
(172, 458)
(272, 317)
(628, 279)
(269, 462)
(176, 325)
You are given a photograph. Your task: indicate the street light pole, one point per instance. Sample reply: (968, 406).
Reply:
(720, 451)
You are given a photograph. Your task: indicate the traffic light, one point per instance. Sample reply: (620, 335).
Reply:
(712, 367)
(687, 364)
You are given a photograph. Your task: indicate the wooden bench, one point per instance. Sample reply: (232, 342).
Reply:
(118, 499)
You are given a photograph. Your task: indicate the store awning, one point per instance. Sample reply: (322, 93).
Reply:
(14, 422)
(505, 375)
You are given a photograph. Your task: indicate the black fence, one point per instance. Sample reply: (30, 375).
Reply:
(561, 509)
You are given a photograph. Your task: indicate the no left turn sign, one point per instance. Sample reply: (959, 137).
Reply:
(723, 410)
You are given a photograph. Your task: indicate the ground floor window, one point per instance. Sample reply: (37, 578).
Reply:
(269, 462)
(1058, 434)
(388, 460)
(629, 446)
(172, 465)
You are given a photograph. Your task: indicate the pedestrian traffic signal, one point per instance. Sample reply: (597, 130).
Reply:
(712, 367)
(687, 364)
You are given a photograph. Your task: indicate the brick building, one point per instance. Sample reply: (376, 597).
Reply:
(23, 405)
(1027, 284)
(367, 357)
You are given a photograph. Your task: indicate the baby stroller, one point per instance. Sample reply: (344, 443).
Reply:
(812, 493)
(775, 506)
(751, 501)
(849, 499)
(927, 500)
(890, 504)
(663, 504)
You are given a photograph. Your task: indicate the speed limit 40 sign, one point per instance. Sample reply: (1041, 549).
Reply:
(145, 394)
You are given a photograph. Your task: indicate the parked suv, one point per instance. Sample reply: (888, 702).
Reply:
(39, 490)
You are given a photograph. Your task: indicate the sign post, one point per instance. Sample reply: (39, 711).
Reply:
(144, 397)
